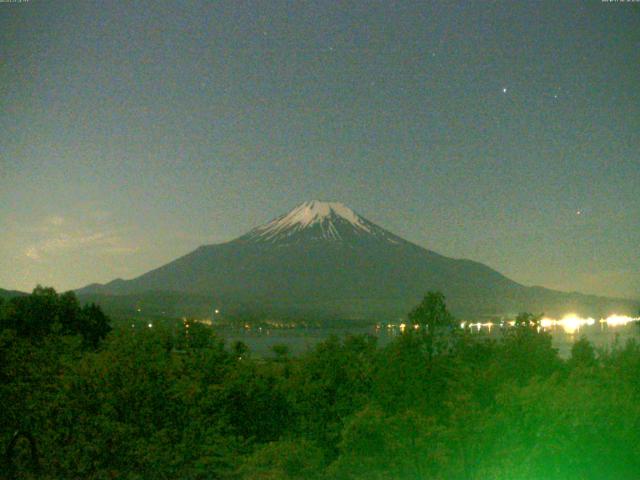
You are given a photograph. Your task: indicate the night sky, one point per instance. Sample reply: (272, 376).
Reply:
(503, 132)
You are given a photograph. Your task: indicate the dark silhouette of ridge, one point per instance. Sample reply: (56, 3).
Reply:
(322, 258)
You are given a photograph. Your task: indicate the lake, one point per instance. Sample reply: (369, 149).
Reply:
(260, 339)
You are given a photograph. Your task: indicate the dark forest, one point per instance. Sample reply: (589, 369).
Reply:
(437, 403)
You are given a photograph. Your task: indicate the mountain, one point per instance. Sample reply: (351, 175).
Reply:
(11, 293)
(324, 259)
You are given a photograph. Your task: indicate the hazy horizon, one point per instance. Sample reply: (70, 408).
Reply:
(502, 133)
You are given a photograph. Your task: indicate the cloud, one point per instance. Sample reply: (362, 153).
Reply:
(57, 236)
(62, 241)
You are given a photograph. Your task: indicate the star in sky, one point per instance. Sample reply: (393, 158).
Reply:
(239, 99)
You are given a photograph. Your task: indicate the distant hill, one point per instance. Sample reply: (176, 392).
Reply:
(11, 293)
(324, 259)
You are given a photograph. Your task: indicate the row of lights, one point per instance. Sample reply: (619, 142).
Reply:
(570, 323)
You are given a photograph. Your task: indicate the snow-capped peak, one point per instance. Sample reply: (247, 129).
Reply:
(315, 211)
(318, 221)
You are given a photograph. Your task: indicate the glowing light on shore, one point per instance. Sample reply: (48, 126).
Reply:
(570, 323)
(618, 320)
(479, 325)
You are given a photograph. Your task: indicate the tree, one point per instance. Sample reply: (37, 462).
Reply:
(376, 445)
(330, 383)
(45, 311)
(281, 352)
(284, 460)
(431, 313)
(526, 351)
(528, 320)
(430, 316)
(33, 315)
(580, 426)
(239, 349)
(582, 354)
(94, 324)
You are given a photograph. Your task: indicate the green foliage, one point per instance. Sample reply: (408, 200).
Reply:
(580, 427)
(526, 351)
(431, 313)
(281, 352)
(284, 460)
(176, 402)
(527, 320)
(377, 445)
(239, 349)
(45, 311)
(583, 355)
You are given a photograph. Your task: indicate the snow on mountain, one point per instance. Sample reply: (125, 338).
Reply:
(322, 258)
(316, 220)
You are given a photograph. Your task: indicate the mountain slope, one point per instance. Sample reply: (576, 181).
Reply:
(323, 258)
(11, 293)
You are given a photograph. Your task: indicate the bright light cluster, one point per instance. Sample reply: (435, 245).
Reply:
(615, 320)
(479, 325)
(570, 323)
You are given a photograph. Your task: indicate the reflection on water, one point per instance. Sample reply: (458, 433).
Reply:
(570, 323)
(564, 331)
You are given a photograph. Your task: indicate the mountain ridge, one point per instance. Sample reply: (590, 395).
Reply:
(324, 257)
(6, 294)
